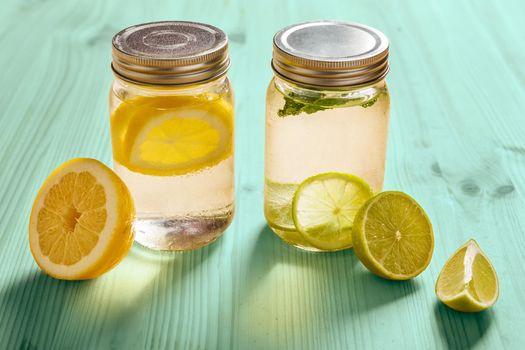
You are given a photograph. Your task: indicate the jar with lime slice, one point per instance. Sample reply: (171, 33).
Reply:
(171, 107)
(327, 112)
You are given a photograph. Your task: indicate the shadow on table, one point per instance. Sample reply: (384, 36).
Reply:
(41, 311)
(337, 277)
(461, 330)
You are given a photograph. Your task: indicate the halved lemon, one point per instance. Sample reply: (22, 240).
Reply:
(81, 221)
(393, 236)
(324, 207)
(468, 281)
(172, 135)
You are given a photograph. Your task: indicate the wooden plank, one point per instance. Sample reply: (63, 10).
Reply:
(456, 144)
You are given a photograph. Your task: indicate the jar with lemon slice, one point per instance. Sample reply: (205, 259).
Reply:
(327, 111)
(172, 122)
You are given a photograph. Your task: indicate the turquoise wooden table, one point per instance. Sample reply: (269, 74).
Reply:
(456, 143)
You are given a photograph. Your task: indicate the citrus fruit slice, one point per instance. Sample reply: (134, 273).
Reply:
(468, 281)
(393, 236)
(324, 207)
(278, 205)
(170, 135)
(80, 223)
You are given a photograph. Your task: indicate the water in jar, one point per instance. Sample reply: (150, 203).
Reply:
(175, 154)
(317, 132)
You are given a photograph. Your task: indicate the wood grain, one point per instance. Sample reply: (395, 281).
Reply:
(456, 144)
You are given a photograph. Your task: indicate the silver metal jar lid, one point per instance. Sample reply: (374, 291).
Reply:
(330, 54)
(170, 53)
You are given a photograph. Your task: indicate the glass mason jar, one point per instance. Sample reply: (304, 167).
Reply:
(172, 122)
(327, 110)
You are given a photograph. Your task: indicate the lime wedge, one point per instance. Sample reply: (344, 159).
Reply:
(468, 281)
(278, 205)
(324, 206)
(393, 236)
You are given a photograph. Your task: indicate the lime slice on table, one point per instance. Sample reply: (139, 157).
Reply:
(324, 206)
(393, 236)
(468, 281)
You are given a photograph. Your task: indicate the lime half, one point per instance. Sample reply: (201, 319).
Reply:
(324, 207)
(468, 281)
(393, 236)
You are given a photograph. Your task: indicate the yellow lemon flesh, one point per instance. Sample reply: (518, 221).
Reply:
(80, 223)
(468, 281)
(172, 135)
(393, 236)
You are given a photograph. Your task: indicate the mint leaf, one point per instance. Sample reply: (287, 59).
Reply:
(370, 102)
(295, 104)
(291, 107)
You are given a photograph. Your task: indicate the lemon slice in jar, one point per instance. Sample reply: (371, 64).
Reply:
(174, 135)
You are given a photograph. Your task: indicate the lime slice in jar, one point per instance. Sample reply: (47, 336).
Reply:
(324, 207)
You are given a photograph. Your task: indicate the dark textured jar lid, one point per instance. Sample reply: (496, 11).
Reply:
(330, 54)
(170, 53)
